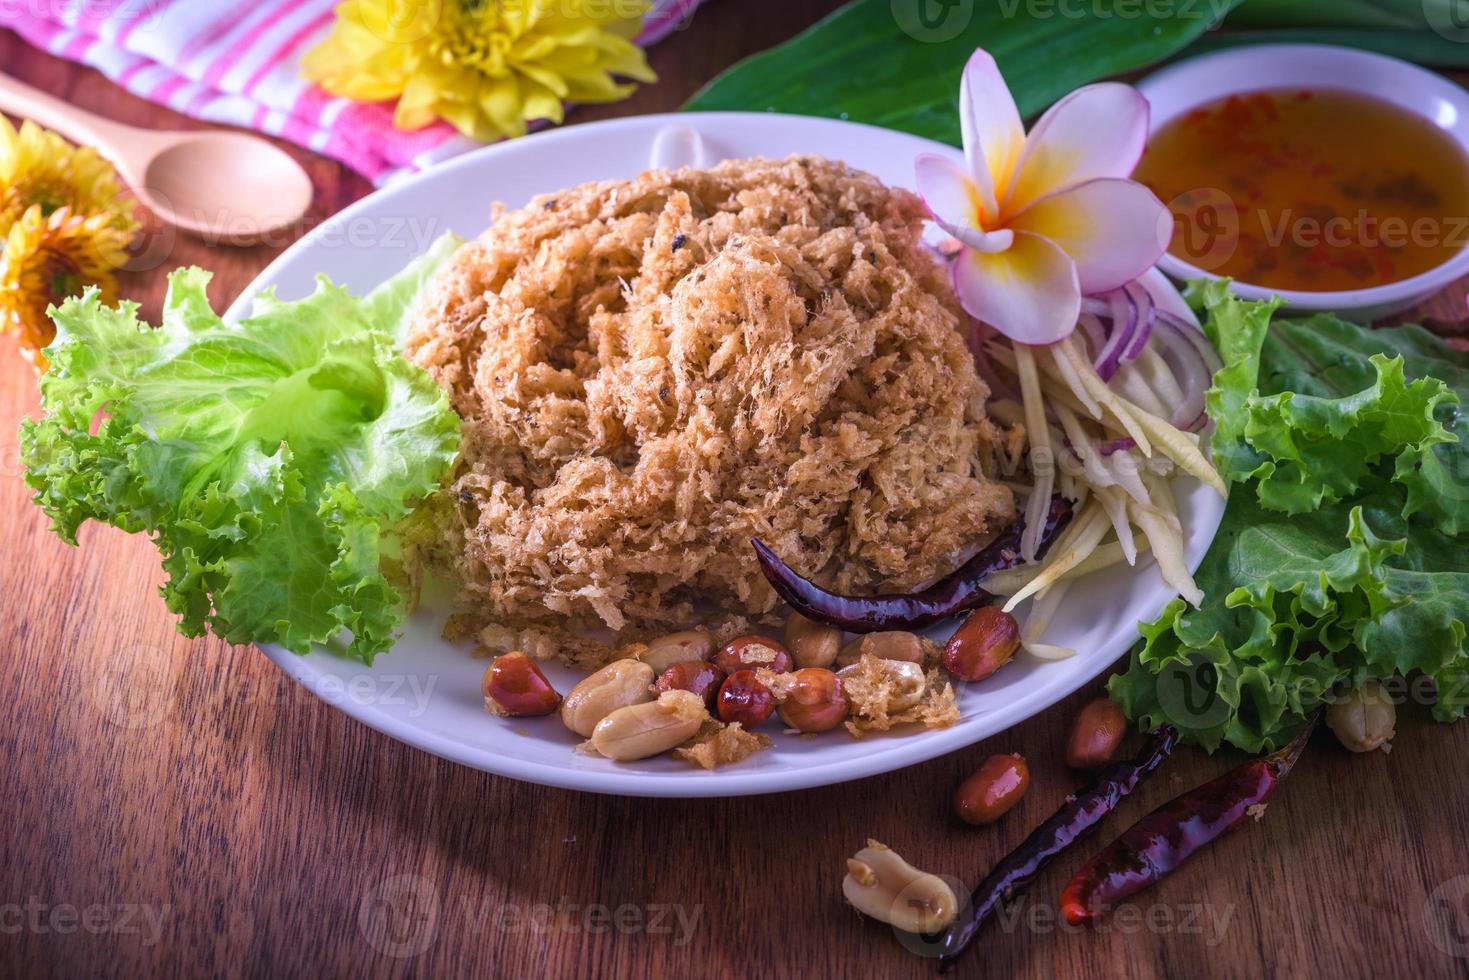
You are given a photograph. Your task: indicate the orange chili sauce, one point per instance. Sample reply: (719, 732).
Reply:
(1310, 189)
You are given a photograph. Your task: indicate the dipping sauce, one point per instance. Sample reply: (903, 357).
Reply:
(1310, 189)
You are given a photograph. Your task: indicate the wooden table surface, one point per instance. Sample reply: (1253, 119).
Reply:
(179, 807)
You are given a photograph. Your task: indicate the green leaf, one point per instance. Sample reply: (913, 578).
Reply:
(875, 61)
(1430, 32)
(1376, 14)
(1293, 607)
(1372, 581)
(1425, 47)
(269, 460)
(1333, 412)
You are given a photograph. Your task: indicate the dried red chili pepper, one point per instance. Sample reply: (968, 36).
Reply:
(1165, 838)
(948, 597)
(1081, 812)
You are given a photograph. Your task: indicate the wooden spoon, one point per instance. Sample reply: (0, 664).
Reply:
(218, 184)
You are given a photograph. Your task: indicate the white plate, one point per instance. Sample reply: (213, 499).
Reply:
(426, 692)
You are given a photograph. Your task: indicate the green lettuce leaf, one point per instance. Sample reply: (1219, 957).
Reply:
(1343, 552)
(1336, 410)
(269, 460)
(1295, 607)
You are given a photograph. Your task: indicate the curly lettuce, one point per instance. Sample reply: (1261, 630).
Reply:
(269, 460)
(1344, 550)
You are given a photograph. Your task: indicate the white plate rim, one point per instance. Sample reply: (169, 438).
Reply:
(886, 754)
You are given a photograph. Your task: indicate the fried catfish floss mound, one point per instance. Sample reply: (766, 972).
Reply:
(652, 372)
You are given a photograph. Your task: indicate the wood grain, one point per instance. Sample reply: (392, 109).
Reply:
(178, 807)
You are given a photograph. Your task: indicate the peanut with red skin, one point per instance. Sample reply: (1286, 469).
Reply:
(514, 686)
(995, 787)
(815, 701)
(745, 653)
(1095, 735)
(982, 644)
(743, 699)
(695, 676)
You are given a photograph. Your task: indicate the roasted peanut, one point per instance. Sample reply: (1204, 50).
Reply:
(514, 686)
(752, 653)
(982, 644)
(812, 644)
(743, 699)
(995, 787)
(815, 701)
(884, 645)
(638, 731)
(677, 648)
(903, 682)
(1365, 719)
(694, 676)
(881, 884)
(620, 683)
(1095, 735)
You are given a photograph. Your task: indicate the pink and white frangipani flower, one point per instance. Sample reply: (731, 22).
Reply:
(1048, 217)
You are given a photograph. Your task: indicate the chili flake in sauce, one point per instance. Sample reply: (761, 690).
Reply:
(1310, 189)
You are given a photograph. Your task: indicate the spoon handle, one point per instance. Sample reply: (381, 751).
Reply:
(20, 99)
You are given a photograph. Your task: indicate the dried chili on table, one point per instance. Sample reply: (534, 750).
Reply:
(1081, 812)
(948, 597)
(1165, 838)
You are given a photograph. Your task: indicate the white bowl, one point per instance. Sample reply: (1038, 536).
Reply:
(1179, 88)
(426, 692)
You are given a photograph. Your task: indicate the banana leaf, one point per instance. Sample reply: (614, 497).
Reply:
(896, 63)
(1430, 32)
(1400, 15)
(1421, 46)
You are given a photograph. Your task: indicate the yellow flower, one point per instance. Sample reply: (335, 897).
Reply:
(485, 66)
(39, 168)
(48, 257)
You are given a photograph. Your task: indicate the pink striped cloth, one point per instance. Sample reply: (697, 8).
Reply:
(239, 64)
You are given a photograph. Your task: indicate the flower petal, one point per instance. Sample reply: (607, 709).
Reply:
(1096, 131)
(947, 191)
(1028, 292)
(954, 202)
(1114, 230)
(990, 123)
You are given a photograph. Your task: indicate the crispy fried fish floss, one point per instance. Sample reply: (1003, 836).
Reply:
(652, 372)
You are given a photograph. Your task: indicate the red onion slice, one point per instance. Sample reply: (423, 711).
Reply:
(1185, 356)
(1118, 326)
(1146, 311)
(1096, 333)
(1201, 343)
(1124, 314)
